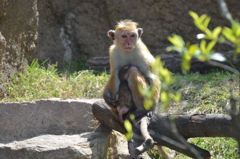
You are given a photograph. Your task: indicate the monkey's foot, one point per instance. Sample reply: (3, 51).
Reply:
(148, 144)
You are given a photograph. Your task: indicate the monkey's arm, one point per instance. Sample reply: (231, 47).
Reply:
(110, 93)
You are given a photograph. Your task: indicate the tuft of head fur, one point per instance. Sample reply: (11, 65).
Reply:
(126, 24)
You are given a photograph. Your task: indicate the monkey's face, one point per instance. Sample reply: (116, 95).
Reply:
(126, 40)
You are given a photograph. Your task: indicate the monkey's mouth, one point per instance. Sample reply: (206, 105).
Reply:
(128, 49)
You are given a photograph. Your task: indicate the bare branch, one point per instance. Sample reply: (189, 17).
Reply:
(187, 125)
(224, 11)
(226, 67)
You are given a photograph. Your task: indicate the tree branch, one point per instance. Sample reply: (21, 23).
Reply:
(187, 125)
(224, 11)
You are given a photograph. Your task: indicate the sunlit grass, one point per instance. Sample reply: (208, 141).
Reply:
(207, 93)
(38, 82)
(204, 93)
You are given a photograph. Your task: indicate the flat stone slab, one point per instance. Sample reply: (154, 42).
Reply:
(57, 129)
(51, 116)
(84, 146)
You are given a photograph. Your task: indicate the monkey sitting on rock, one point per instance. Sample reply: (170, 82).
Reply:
(128, 49)
(130, 68)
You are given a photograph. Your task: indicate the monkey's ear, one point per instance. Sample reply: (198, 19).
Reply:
(111, 34)
(140, 31)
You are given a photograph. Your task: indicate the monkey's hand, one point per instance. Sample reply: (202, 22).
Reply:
(109, 100)
(150, 114)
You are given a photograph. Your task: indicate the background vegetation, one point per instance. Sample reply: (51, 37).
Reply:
(201, 93)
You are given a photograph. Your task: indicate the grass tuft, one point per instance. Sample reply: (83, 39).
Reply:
(38, 82)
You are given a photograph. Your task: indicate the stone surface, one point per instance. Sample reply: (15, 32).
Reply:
(19, 26)
(78, 29)
(89, 145)
(57, 129)
(2, 52)
(51, 116)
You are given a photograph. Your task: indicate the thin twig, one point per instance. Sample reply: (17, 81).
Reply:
(226, 67)
(224, 11)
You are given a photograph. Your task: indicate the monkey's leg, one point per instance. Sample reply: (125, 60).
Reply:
(148, 141)
(135, 80)
(144, 130)
(132, 153)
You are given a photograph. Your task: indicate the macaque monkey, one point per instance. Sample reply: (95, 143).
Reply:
(128, 49)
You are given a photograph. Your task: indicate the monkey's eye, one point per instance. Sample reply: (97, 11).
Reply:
(132, 36)
(124, 36)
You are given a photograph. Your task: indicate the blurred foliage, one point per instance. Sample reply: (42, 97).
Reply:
(204, 51)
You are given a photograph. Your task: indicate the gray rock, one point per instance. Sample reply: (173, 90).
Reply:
(19, 23)
(57, 129)
(84, 146)
(51, 116)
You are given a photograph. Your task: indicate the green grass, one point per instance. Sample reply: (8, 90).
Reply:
(208, 93)
(38, 82)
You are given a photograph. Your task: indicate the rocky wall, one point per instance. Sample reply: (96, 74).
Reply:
(62, 31)
(77, 29)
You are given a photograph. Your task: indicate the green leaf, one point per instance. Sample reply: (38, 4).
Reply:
(164, 96)
(211, 45)
(132, 117)
(129, 135)
(238, 50)
(216, 32)
(221, 39)
(185, 64)
(174, 48)
(176, 97)
(227, 30)
(192, 49)
(165, 99)
(202, 18)
(235, 26)
(209, 34)
(228, 33)
(193, 15)
(238, 32)
(203, 46)
(176, 40)
(206, 21)
(128, 125)
(148, 103)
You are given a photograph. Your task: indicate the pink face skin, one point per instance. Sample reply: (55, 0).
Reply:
(127, 40)
(122, 110)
